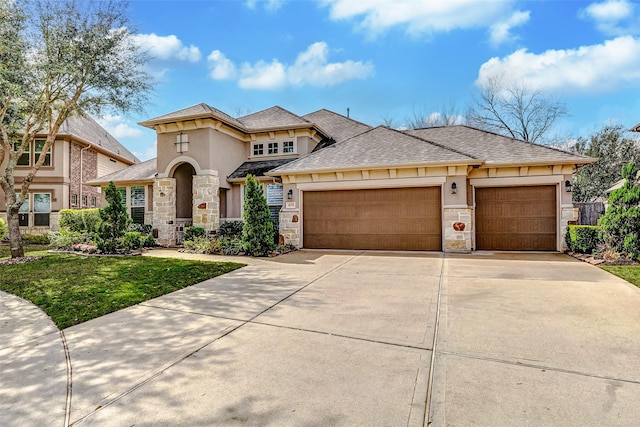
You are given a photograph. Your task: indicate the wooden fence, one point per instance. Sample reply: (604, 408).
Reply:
(588, 213)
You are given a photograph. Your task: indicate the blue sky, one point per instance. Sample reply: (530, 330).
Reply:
(384, 59)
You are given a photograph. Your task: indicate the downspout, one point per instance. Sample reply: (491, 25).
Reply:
(82, 150)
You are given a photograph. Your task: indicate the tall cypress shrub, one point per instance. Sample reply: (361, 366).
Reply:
(115, 221)
(257, 231)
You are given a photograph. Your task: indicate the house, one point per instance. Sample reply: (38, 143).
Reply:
(334, 183)
(83, 150)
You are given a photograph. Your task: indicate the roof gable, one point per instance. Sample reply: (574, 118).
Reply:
(272, 117)
(338, 126)
(198, 110)
(144, 171)
(380, 146)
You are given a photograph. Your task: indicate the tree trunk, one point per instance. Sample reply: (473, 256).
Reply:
(15, 239)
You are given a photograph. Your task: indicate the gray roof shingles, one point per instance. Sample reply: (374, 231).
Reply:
(138, 172)
(201, 109)
(257, 168)
(272, 117)
(338, 126)
(88, 129)
(376, 147)
(492, 147)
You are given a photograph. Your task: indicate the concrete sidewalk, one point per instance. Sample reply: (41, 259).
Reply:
(344, 338)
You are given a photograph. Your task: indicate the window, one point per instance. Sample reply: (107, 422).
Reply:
(74, 200)
(287, 147)
(258, 149)
(41, 209)
(38, 151)
(23, 160)
(273, 148)
(84, 201)
(93, 202)
(23, 213)
(137, 204)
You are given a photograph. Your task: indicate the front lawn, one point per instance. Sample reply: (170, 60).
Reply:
(630, 273)
(72, 289)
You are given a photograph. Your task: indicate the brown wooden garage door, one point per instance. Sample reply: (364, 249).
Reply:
(390, 219)
(516, 218)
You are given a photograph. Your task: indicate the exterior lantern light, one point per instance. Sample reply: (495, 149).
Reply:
(454, 188)
(567, 186)
(289, 194)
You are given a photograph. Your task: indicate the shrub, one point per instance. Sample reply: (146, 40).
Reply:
(35, 239)
(230, 245)
(65, 239)
(231, 229)
(257, 230)
(83, 247)
(583, 238)
(202, 245)
(3, 228)
(131, 240)
(149, 241)
(115, 221)
(191, 233)
(621, 223)
(82, 220)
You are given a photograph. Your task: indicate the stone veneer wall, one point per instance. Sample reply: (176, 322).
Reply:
(458, 229)
(290, 226)
(567, 213)
(164, 208)
(206, 201)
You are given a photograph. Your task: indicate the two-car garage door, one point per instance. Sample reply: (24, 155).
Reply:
(386, 219)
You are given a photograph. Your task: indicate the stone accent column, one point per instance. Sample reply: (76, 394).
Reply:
(290, 226)
(567, 213)
(457, 229)
(164, 210)
(206, 201)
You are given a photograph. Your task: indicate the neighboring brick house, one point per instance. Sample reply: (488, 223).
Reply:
(83, 150)
(332, 182)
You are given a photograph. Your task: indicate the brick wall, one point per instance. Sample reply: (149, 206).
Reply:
(89, 172)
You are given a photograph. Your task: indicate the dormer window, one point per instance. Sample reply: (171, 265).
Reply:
(273, 148)
(258, 149)
(287, 147)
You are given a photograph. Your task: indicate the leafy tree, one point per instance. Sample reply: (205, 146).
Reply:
(621, 223)
(515, 110)
(257, 231)
(613, 151)
(59, 58)
(114, 221)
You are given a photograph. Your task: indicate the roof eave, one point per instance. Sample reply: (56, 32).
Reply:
(572, 161)
(471, 162)
(97, 147)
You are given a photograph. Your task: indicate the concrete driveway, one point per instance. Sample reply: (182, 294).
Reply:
(325, 338)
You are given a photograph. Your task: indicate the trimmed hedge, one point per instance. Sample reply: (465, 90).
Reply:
(80, 220)
(583, 238)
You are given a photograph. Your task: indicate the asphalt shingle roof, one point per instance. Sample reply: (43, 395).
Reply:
(138, 172)
(272, 117)
(201, 109)
(338, 126)
(376, 147)
(257, 168)
(88, 129)
(492, 147)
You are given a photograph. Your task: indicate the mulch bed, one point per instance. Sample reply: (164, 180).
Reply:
(21, 260)
(598, 259)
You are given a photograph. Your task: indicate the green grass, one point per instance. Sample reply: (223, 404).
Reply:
(630, 273)
(5, 251)
(72, 289)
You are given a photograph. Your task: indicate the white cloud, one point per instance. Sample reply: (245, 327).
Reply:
(222, 68)
(595, 68)
(501, 32)
(119, 127)
(262, 75)
(419, 17)
(311, 67)
(614, 17)
(168, 48)
(269, 5)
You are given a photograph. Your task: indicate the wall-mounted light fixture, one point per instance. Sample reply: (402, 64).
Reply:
(182, 143)
(454, 188)
(567, 186)
(289, 194)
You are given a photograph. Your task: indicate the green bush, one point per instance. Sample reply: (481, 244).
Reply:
(191, 233)
(131, 240)
(257, 230)
(3, 228)
(202, 245)
(81, 220)
(115, 221)
(230, 245)
(35, 239)
(231, 229)
(149, 241)
(583, 238)
(65, 239)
